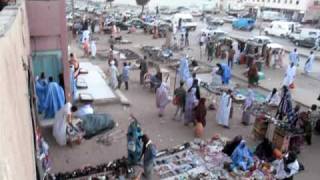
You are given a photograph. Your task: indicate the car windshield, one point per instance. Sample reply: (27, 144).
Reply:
(187, 20)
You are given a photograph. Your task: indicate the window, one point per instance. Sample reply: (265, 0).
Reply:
(312, 33)
(262, 0)
(279, 1)
(285, 1)
(317, 2)
(297, 2)
(290, 1)
(258, 0)
(274, 1)
(268, 0)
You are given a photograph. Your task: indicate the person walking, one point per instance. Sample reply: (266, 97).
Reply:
(231, 54)
(125, 76)
(317, 44)
(309, 63)
(114, 75)
(294, 57)
(290, 76)
(143, 69)
(210, 51)
(162, 98)
(247, 106)
(149, 153)
(191, 103)
(202, 43)
(187, 38)
(179, 101)
(224, 109)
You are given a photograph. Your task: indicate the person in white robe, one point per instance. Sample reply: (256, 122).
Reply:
(93, 49)
(309, 63)
(114, 75)
(85, 35)
(224, 109)
(294, 57)
(61, 120)
(290, 75)
(84, 110)
(184, 72)
(273, 98)
(247, 106)
(162, 98)
(235, 46)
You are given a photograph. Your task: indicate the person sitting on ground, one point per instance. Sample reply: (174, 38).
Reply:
(265, 150)
(83, 110)
(273, 99)
(231, 145)
(149, 153)
(287, 167)
(242, 157)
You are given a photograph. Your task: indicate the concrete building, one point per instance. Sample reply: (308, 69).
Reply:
(33, 39)
(296, 9)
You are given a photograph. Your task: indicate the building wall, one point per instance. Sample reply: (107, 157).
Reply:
(297, 5)
(48, 30)
(16, 132)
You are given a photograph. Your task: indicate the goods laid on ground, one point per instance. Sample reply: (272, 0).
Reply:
(205, 160)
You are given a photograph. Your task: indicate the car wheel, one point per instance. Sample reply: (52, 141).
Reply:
(282, 36)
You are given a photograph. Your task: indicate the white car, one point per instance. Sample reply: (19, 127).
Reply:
(212, 31)
(261, 39)
(229, 19)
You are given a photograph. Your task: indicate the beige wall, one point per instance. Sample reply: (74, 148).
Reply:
(16, 139)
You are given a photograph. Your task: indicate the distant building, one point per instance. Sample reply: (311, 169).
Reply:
(301, 10)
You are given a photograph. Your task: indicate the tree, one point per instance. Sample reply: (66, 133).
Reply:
(142, 3)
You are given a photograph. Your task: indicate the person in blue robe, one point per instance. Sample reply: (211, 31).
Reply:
(41, 91)
(242, 157)
(55, 99)
(184, 72)
(225, 73)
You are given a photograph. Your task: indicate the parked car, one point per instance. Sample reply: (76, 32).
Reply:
(215, 22)
(229, 19)
(281, 28)
(306, 42)
(261, 39)
(187, 21)
(138, 23)
(304, 33)
(244, 24)
(212, 31)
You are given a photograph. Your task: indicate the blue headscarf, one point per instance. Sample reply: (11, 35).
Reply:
(242, 157)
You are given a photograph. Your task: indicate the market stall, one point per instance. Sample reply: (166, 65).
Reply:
(201, 159)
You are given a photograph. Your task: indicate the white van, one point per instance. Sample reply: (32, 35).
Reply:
(281, 28)
(271, 16)
(186, 21)
(304, 33)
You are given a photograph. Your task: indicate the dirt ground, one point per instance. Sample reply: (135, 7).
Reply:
(164, 132)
